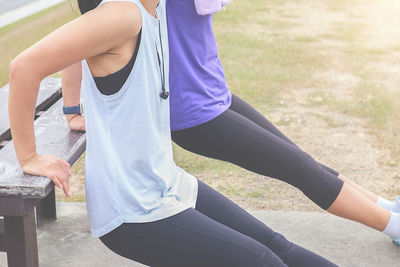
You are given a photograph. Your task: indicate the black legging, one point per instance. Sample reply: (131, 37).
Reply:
(244, 137)
(218, 233)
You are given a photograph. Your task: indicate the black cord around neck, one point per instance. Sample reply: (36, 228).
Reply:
(164, 93)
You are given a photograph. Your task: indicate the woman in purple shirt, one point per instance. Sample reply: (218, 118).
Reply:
(208, 120)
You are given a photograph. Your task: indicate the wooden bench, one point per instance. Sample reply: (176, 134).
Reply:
(21, 194)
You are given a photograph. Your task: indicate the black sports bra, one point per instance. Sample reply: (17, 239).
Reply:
(112, 83)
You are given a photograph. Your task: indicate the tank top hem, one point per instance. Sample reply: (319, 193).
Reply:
(206, 117)
(173, 210)
(118, 221)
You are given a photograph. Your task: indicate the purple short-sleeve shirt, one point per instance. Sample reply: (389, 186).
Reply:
(198, 89)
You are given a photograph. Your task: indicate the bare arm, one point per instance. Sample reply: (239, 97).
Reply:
(118, 22)
(71, 89)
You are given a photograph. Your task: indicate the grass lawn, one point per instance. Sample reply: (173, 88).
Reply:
(303, 64)
(17, 37)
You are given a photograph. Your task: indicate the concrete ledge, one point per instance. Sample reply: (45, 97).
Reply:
(67, 241)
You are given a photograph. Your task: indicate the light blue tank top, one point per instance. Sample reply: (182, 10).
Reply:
(130, 173)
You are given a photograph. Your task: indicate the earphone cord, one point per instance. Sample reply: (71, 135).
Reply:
(162, 72)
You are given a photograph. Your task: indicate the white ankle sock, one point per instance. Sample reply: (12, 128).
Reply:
(393, 227)
(387, 204)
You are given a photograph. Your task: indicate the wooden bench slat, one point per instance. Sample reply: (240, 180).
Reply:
(50, 92)
(52, 137)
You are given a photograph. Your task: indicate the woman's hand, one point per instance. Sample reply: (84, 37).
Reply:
(52, 167)
(76, 122)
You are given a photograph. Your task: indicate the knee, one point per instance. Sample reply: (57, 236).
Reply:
(271, 259)
(300, 167)
(279, 244)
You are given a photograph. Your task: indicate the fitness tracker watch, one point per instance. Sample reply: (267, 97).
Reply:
(73, 109)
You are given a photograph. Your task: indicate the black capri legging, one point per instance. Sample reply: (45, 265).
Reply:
(244, 137)
(217, 233)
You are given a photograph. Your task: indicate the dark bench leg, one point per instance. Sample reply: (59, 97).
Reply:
(21, 242)
(2, 236)
(46, 210)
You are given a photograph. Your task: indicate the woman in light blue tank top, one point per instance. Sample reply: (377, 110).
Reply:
(140, 204)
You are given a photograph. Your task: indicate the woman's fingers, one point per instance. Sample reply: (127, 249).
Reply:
(68, 167)
(64, 169)
(65, 184)
(61, 183)
(52, 167)
(64, 172)
(56, 181)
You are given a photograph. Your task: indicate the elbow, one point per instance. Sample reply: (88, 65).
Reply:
(16, 69)
(23, 71)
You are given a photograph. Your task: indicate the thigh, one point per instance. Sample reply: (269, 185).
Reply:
(221, 209)
(234, 138)
(188, 239)
(243, 108)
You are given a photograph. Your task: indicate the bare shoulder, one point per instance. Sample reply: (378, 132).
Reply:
(121, 16)
(94, 33)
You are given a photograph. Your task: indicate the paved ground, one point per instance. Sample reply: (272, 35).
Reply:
(14, 10)
(66, 242)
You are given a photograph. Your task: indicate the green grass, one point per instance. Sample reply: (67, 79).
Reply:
(36, 16)
(317, 99)
(330, 122)
(372, 102)
(342, 5)
(305, 39)
(260, 62)
(255, 194)
(17, 37)
(348, 32)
